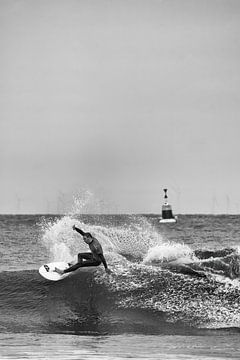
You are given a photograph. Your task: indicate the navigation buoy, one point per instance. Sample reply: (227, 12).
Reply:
(167, 215)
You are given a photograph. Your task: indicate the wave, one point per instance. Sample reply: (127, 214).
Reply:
(137, 297)
(156, 286)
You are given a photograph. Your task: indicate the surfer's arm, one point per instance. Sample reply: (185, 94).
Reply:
(78, 230)
(104, 262)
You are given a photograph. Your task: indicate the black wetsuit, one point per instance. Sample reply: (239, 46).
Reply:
(93, 258)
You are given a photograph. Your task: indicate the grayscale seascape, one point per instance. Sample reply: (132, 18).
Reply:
(174, 292)
(120, 117)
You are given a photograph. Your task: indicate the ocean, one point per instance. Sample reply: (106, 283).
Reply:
(174, 291)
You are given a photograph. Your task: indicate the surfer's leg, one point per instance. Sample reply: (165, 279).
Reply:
(72, 268)
(82, 256)
(80, 263)
(89, 260)
(91, 263)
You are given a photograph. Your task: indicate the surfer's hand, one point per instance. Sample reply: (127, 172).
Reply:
(108, 271)
(74, 227)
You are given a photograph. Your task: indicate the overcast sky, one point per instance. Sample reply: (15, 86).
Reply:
(122, 98)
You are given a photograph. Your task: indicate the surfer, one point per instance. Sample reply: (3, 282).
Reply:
(93, 258)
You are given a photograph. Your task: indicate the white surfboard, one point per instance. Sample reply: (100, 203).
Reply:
(47, 270)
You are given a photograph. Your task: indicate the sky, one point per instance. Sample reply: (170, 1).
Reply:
(120, 99)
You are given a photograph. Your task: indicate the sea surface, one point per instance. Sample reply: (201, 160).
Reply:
(174, 291)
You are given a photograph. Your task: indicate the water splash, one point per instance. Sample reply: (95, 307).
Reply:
(198, 302)
(169, 252)
(58, 238)
(81, 202)
(132, 238)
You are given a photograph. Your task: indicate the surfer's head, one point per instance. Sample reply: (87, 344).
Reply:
(87, 237)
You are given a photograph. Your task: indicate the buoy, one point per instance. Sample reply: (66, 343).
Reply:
(167, 214)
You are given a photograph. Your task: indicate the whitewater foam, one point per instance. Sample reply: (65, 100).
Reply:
(169, 252)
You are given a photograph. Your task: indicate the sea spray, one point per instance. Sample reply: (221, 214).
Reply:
(82, 202)
(135, 239)
(62, 242)
(132, 238)
(169, 252)
(58, 238)
(198, 302)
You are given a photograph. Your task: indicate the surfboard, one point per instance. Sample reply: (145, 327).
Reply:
(47, 270)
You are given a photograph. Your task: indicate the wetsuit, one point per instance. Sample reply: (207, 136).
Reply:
(93, 258)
